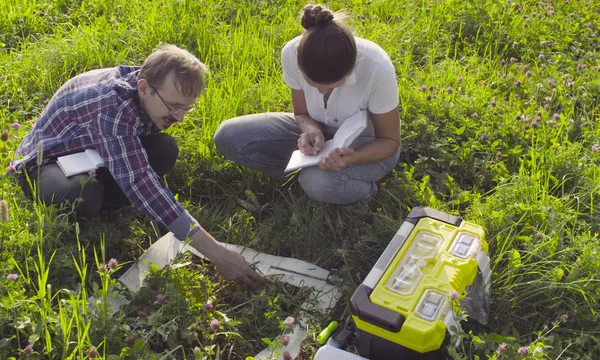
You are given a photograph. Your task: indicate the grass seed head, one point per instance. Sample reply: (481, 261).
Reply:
(4, 211)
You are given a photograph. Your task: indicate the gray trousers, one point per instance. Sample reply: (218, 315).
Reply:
(89, 194)
(265, 142)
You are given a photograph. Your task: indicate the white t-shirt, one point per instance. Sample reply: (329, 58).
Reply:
(371, 85)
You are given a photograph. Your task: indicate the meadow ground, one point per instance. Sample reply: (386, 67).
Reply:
(499, 109)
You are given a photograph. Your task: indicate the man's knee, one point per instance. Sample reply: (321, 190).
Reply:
(80, 193)
(162, 151)
(91, 198)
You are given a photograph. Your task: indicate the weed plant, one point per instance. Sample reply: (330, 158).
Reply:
(498, 100)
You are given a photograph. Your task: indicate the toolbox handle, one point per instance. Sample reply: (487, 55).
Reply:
(372, 313)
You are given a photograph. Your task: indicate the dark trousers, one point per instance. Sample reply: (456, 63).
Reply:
(90, 194)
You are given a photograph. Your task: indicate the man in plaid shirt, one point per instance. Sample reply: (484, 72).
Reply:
(120, 112)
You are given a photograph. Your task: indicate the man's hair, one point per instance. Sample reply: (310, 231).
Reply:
(327, 50)
(189, 71)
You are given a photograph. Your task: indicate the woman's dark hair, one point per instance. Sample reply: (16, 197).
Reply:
(327, 50)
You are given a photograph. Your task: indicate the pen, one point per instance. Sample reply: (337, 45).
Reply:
(312, 143)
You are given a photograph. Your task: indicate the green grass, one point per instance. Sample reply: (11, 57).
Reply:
(482, 142)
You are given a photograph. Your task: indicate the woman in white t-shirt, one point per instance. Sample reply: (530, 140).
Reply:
(332, 75)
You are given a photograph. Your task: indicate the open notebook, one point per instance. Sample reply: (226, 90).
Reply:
(79, 163)
(345, 135)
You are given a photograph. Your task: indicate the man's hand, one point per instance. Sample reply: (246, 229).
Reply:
(337, 160)
(234, 267)
(229, 263)
(311, 142)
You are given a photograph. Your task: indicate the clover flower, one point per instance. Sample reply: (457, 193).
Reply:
(113, 264)
(502, 349)
(595, 148)
(455, 295)
(449, 90)
(11, 169)
(4, 135)
(289, 321)
(161, 299)
(285, 340)
(93, 353)
(524, 350)
(344, 245)
(28, 350)
(287, 355)
(208, 307)
(461, 79)
(423, 88)
(484, 137)
(528, 73)
(15, 126)
(214, 324)
(130, 340)
(475, 115)
(568, 81)
(12, 277)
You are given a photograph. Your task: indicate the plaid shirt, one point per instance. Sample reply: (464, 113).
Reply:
(100, 110)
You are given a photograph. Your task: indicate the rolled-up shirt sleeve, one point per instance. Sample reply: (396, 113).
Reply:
(127, 161)
(289, 65)
(384, 95)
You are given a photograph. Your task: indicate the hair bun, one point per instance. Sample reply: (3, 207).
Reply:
(315, 15)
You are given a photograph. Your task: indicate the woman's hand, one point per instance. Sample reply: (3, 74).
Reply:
(337, 160)
(311, 141)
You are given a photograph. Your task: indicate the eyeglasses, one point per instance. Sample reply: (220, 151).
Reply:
(175, 109)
